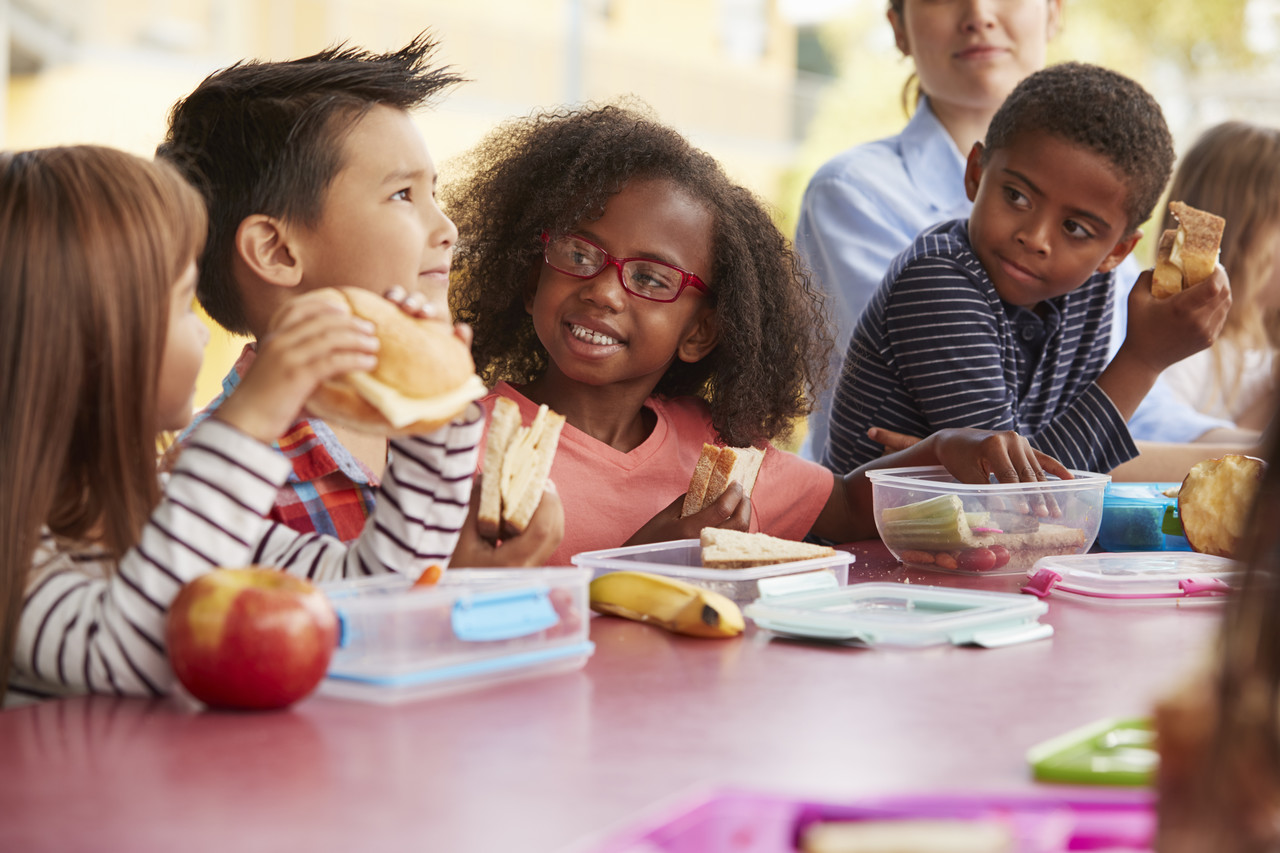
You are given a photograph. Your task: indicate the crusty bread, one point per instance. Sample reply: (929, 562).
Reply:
(526, 465)
(916, 835)
(701, 477)
(424, 377)
(735, 549)
(718, 467)
(1166, 279)
(1193, 250)
(517, 462)
(502, 428)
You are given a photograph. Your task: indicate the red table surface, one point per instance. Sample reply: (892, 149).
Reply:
(558, 762)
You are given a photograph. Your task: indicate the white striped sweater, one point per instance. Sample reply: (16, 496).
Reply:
(937, 348)
(91, 624)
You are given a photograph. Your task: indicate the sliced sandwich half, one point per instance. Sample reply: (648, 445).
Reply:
(517, 462)
(718, 467)
(735, 549)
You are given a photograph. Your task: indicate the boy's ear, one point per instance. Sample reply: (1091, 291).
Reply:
(899, 32)
(973, 171)
(264, 246)
(1120, 251)
(701, 338)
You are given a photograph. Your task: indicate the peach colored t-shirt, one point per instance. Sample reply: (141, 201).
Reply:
(609, 495)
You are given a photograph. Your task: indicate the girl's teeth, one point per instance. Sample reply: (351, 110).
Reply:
(591, 337)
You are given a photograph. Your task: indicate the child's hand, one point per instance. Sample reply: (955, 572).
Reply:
(732, 510)
(1162, 332)
(312, 340)
(976, 455)
(532, 548)
(890, 440)
(416, 305)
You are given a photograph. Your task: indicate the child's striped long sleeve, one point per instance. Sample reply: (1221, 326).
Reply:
(92, 624)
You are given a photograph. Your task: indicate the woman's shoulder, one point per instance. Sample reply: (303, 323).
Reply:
(869, 165)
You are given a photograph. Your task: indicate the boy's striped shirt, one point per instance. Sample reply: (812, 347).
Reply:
(938, 348)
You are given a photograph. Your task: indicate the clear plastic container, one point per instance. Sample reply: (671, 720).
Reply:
(682, 558)
(1135, 517)
(475, 628)
(1138, 577)
(928, 520)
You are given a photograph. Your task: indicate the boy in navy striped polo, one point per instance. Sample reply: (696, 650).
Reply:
(1001, 321)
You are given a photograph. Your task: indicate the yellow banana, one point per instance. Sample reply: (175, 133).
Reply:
(666, 602)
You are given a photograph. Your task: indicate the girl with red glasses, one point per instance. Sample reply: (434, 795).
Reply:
(612, 271)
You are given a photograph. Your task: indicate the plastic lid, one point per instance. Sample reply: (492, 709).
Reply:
(1137, 494)
(1136, 576)
(899, 614)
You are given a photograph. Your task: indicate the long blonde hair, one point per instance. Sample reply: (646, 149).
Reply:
(91, 242)
(1233, 170)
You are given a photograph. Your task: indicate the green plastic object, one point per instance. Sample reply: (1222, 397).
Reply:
(1113, 751)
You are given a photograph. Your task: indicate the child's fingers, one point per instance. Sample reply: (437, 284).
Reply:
(731, 509)
(892, 441)
(464, 333)
(414, 304)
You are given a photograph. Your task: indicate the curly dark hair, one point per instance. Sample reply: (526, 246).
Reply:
(1101, 110)
(266, 137)
(554, 169)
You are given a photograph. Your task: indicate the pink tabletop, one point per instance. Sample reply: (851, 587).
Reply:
(564, 761)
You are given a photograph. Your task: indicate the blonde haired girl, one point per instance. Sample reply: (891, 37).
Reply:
(1233, 170)
(99, 349)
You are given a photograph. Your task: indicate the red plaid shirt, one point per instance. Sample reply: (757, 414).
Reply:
(328, 490)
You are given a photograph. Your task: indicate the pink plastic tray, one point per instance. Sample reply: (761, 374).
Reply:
(733, 821)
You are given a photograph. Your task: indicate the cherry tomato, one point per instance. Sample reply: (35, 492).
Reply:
(1002, 556)
(976, 560)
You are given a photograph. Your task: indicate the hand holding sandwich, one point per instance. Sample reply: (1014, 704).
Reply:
(1163, 331)
(531, 547)
(312, 341)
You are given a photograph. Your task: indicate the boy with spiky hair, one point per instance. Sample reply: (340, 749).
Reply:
(315, 176)
(1001, 321)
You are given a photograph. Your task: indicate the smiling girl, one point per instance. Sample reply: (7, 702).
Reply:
(614, 273)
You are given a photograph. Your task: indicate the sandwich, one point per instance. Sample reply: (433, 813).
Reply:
(734, 549)
(424, 378)
(517, 462)
(718, 467)
(1187, 255)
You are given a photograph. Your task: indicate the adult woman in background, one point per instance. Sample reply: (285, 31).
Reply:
(1233, 170)
(867, 204)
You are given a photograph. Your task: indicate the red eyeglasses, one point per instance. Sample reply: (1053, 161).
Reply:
(644, 277)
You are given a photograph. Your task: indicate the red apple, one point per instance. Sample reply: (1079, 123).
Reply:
(252, 638)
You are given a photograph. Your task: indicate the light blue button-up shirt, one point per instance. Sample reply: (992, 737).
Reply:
(867, 204)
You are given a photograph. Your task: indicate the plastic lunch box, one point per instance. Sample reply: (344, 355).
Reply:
(1140, 517)
(736, 821)
(682, 558)
(475, 628)
(929, 520)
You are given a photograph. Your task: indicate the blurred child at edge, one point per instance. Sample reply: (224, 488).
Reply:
(316, 176)
(613, 272)
(1233, 170)
(101, 347)
(1218, 734)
